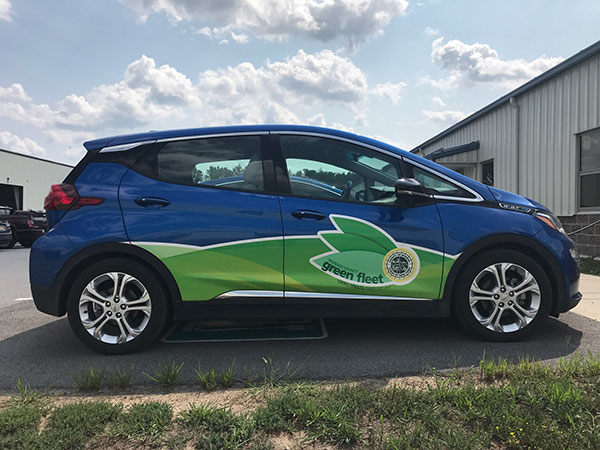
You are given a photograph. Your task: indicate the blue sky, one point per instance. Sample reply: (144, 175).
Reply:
(397, 70)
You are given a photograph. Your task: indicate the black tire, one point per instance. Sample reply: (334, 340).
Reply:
(160, 308)
(462, 309)
(11, 243)
(26, 243)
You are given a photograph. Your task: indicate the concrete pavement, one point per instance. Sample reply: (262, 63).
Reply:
(589, 306)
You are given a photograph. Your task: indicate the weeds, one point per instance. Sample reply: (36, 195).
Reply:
(212, 379)
(120, 378)
(166, 374)
(89, 379)
(219, 428)
(144, 420)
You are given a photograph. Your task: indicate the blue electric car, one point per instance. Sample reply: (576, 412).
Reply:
(287, 221)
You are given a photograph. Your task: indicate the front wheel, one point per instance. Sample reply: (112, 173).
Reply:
(117, 306)
(502, 295)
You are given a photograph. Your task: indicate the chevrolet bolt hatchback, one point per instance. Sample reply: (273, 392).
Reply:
(289, 221)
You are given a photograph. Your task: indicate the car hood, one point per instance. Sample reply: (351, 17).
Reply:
(515, 199)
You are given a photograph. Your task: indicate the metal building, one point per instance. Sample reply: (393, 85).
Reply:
(541, 140)
(25, 180)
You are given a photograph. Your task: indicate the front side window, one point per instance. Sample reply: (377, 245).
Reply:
(330, 169)
(231, 162)
(436, 185)
(589, 169)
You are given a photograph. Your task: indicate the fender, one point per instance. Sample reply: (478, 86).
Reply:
(102, 251)
(510, 241)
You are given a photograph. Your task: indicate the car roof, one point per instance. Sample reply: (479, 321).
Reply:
(190, 132)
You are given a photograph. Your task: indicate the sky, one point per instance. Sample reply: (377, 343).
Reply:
(395, 70)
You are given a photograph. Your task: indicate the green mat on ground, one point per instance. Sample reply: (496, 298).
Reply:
(246, 330)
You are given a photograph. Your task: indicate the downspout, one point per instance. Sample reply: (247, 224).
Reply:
(515, 104)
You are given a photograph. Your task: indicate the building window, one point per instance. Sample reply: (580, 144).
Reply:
(589, 169)
(487, 172)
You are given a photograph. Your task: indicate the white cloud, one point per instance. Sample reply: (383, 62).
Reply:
(444, 116)
(437, 102)
(5, 10)
(432, 31)
(480, 63)
(14, 92)
(276, 20)
(158, 97)
(14, 143)
(392, 91)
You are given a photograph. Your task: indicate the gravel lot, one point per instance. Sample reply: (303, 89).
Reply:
(42, 350)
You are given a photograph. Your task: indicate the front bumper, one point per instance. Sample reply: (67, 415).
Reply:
(5, 237)
(46, 300)
(571, 303)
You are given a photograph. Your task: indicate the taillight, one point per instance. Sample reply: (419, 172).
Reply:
(65, 196)
(30, 223)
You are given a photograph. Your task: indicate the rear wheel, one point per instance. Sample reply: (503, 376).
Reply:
(502, 295)
(117, 306)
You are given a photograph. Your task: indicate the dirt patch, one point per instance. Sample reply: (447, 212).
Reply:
(297, 441)
(240, 400)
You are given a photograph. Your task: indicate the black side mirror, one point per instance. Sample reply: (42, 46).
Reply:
(411, 190)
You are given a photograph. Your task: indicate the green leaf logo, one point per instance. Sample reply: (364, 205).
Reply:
(364, 254)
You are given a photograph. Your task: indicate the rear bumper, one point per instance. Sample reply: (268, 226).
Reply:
(46, 300)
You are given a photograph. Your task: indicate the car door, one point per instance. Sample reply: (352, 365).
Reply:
(206, 208)
(346, 237)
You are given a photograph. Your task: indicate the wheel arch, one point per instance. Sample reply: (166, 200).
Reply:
(99, 252)
(518, 243)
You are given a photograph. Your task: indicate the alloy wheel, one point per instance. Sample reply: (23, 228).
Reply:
(115, 307)
(504, 297)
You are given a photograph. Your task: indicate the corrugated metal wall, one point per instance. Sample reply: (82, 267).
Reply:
(549, 118)
(34, 175)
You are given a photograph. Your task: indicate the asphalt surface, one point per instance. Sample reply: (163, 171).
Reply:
(43, 352)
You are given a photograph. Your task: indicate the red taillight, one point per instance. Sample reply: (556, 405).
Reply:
(65, 196)
(30, 223)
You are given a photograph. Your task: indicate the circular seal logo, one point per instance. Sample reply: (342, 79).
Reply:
(401, 265)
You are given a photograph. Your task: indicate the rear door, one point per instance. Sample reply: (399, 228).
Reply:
(346, 237)
(206, 208)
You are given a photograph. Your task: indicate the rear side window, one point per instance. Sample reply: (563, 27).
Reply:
(231, 162)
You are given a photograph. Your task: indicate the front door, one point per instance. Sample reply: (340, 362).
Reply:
(345, 235)
(204, 208)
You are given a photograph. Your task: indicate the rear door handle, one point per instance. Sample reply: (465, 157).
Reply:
(152, 201)
(308, 215)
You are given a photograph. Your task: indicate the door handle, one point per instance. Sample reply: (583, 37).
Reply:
(152, 201)
(308, 215)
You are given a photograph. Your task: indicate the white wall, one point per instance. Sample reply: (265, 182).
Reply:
(33, 174)
(546, 121)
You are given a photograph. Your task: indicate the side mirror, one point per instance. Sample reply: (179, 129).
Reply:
(410, 190)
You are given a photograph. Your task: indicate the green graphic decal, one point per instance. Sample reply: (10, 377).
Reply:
(355, 258)
(364, 255)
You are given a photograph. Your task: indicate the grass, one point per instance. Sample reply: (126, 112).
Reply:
(589, 266)
(499, 405)
(88, 380)
(166, 374)
(121, 378)
(144, 420)
(213, 379)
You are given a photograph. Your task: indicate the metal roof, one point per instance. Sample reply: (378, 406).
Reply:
(532, 84)
(35, 157)
(443, 152)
